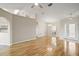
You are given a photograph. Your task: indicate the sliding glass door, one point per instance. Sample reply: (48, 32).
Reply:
(70, 30)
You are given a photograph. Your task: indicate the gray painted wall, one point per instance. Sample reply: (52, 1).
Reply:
(24, 28)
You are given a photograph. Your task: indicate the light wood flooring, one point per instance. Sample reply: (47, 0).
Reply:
(43, 46)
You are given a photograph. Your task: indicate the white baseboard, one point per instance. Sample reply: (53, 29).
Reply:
(5, 44)
(34, 38)
(24, 41)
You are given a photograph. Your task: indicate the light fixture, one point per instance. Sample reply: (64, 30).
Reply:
(16, 11)
(36, 4)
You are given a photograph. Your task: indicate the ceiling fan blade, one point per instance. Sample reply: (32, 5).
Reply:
(50, 4)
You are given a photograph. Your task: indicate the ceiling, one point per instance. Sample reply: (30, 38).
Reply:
(3, 21)
(49, 14)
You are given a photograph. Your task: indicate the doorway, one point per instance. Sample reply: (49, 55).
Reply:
(52, 32)
(4, 32)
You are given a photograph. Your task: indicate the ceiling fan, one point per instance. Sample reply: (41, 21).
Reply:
(39, 5)
(50, 4)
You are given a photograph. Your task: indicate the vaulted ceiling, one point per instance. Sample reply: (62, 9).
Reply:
(49, 14)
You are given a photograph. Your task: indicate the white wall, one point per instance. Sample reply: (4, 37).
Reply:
(41, 29)
(4, 39)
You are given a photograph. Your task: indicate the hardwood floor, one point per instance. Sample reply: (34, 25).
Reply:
(43, 47)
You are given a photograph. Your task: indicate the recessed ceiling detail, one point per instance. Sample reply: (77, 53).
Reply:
(52, 11)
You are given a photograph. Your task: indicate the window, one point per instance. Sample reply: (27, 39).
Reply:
(69, 30)
(65, 30)
(72, 30)
(3, 25)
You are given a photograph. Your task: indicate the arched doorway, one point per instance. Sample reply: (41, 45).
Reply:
(4, 31)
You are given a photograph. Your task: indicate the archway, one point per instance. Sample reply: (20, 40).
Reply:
(4, 31)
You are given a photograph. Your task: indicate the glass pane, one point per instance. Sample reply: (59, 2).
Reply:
(65, 30)
(72, 30)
